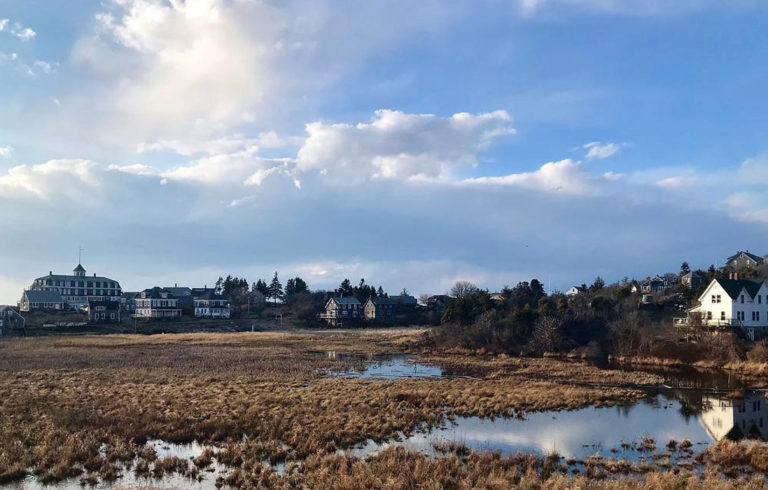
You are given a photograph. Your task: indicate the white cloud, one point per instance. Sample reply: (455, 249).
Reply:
(135, 169)
(600, 150)
(564, 176)
(754, 170)
(263, 62)
(400, 145)
(747, 206)
(6, 151)
(46, 67)
(16, 29)
(225, 144)
(65, 178)
(677, 181)
(240, 168)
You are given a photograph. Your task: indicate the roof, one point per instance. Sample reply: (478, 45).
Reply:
(69, 277)
(734, 286)
(209, 294)
(179, 291)
(406, 300)
(79, 268)
(738, 254)
(43, 297)
(382, 301)
(154, 293)
(129, 294)
(350, 300)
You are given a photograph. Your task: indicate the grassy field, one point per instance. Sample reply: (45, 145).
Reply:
(84, 406)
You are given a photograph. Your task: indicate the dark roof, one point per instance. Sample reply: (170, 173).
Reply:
(404, 300)
(734, 287)
(179, 291)
(43, 297)
(383, 301)
(350, 300)
(79, 268)
(209, 294)
(154, 293)
(66, 277)
(752, 256)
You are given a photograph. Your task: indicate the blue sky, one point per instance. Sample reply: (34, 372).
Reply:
(413, 145)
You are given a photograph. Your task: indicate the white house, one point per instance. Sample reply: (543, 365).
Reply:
(157, 303)
(576, 290)
(734, 302)
(208, 304)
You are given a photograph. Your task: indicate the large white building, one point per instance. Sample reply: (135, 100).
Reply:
(78, 288)
(734, 302)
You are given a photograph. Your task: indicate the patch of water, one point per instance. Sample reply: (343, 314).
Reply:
(206, 480)
(398, 366)
(619, 432)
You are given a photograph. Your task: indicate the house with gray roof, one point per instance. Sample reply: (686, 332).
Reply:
(46, 300)
(380, 310)
(744, 260)
(157, 304)
(10, 318)
(339, 310)
(209, 304)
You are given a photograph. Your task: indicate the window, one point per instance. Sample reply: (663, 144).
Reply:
(722, 315)
(756, 406)
(742, 298)
(717, 298)
(709, 315)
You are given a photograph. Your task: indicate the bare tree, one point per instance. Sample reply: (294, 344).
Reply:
(464, 289)
(547, 335)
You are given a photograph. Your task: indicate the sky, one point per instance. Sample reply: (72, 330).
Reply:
(412, 144)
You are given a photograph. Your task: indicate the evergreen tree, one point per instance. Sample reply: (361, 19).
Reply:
(275, 290)
(345, 289)
(299, 286)
(261, 286)
(684, 269)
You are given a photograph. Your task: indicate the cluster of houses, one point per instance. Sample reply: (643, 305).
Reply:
(104, 300)
(381, 310)
(732, 302)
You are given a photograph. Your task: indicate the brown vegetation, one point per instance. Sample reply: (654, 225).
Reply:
(85, 407)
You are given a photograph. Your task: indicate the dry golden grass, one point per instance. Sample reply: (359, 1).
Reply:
(84, 406)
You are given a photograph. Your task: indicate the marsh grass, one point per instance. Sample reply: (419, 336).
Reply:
(86, 406)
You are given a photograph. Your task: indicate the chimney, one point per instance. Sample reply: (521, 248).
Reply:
(50, 273)
(175, 285)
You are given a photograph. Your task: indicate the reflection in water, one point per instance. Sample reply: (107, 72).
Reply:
(736, 419)
(622, 432)
(389, 367)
